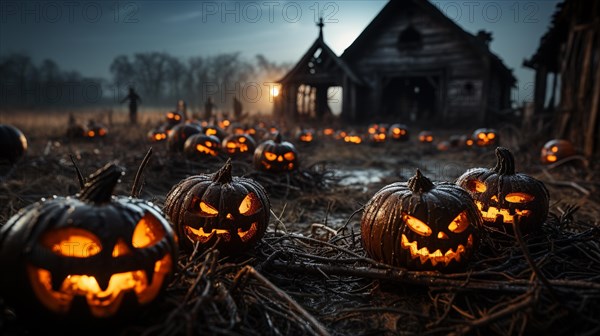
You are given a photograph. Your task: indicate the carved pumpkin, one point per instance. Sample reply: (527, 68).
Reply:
(158, 134)
(276, 156)
(501, 194)
(328, 132)
(93, 255)
(208, 207)
(201, 146)
(13, 143)
(443, 146)
(224, 124)
(215, 131)
(353, 138)
(398, 132)
(556, 150)
(485, 137)
(420, 225)
(179, 135)
(426, 137)
(174, 117)
(237, 145)
(95, 130)
(305, 135)
(341, 135)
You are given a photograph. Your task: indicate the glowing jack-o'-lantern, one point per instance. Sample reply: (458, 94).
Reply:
(485, 137)
(95, 130)
(174, 117)
(214, 131)
(276, 156)
(205, 208)
(239, 145)
(159, 134)
(420, 225)
(555, 150)
(353, 138)
(179, 135)
(328, 132)
(426, 137)
(13, 144)
(305, 135)
(91, 256)
(341, 135)
(501, 194)
(201, 146)
(398, 132)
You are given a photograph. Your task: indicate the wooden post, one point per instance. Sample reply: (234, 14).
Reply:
(593, 128)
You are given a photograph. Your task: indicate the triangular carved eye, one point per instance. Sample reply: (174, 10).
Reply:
(207, 210)
(72, 242)
(270, 156)
(147, 232)
(250, 205)
(289, 156)
(460, 223)
(476, 186)
(518, 198)
(416, 225)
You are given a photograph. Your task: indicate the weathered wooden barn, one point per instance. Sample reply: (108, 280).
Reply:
(570, 53)
(411, 64)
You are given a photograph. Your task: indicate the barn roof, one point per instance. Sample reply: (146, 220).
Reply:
(391, 9)
(319, 43)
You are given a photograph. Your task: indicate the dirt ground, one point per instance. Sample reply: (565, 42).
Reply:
(294, 281)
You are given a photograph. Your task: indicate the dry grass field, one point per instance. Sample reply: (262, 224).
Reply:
(310, 275)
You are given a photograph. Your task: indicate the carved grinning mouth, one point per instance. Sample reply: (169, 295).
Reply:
(205, 150)
(102, 302)
(201, 236)
(437, 256)
(492, 213)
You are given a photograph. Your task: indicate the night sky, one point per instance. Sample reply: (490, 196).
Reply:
(86, 36)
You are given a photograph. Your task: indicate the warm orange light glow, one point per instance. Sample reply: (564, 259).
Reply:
(551, 158)
(289, 156)
(476, 185)
(208, 210)
(437, 256)
(246, 235)
(518, 198)
(91, 134)
(328, 131)
(416, 225)
(270, 156)
(102, 132)
(492, 213)
(71, 242)
(201, 236)
(554, 149)
(353, 139)
(148, 232)
(102, 303)
(307, 137)
(459, 224)
(469, 142)
(250, 205)
(275, 91)
(491, 136)
(210, 131)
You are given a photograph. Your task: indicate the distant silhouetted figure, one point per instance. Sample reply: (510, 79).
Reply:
(237, 109)
(182, 108)
(208, 107)
(133, 104)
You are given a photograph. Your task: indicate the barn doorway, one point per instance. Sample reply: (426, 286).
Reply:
(411, 99)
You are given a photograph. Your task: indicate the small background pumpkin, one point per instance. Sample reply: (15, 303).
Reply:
(276, 156)
(556, 150)
(13, 143)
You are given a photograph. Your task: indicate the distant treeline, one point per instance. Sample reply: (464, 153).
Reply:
(25, 84)
(160, 79)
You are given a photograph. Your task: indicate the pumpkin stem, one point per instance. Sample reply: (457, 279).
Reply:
(278, 138)
(136, 189)
(224, 174)
(505, 165)
(100, 185)
(419, 183)
(79, 175)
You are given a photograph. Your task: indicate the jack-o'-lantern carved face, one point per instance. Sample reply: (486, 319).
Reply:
(555, 150)
(398, 132)
(420, 225)
(485, 137)
(305, 135)
(95, 130)
(174, 117)
(239, 145)
(353, 138)
(426, 137)
(201, 145)
(179, 134)
(159, 134)
(91, 255)
(276, 156)
(205, 208)
(501, 194)
(214, 131)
